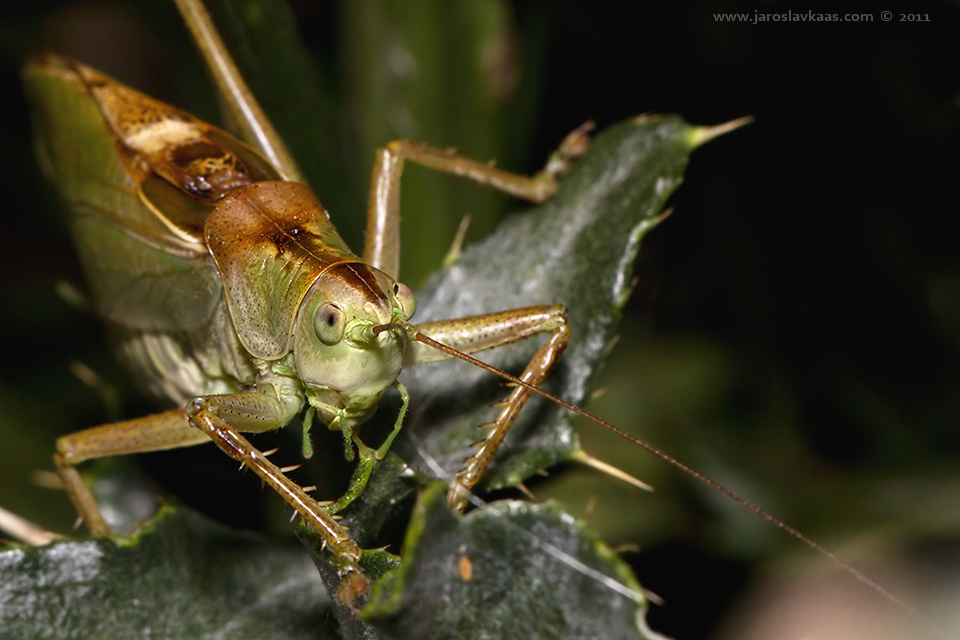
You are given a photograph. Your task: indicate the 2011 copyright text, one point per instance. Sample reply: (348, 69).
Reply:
(761, 17)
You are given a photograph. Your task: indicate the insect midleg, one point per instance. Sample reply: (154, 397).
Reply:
(167, 430)
(382, 245)
(218, 418)
(478, 333)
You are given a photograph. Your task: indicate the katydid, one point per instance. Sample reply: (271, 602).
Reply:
(298, 319)
(258, 311)
(253, 307)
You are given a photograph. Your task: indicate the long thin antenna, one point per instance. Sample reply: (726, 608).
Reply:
(690, 471)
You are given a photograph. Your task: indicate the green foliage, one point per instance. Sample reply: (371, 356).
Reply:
(509, 570)
(576, 249)
(183, 576)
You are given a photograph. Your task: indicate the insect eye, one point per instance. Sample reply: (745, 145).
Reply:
(328, 323)
(404, 296)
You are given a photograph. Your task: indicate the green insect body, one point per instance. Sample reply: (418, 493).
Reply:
(227, 290)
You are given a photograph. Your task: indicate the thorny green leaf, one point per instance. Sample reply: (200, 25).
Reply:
(182, 577)
(576, 249)
(509, 570)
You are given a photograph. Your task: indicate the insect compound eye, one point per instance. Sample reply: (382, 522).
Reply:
(404, 296)
(328, 323)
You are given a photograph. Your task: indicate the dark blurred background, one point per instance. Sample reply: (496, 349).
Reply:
(795, 329)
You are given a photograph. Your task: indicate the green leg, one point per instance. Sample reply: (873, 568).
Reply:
(370, 457)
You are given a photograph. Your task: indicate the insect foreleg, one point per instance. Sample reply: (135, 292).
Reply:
(369, 457)
(477, 333)
(382, 246)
